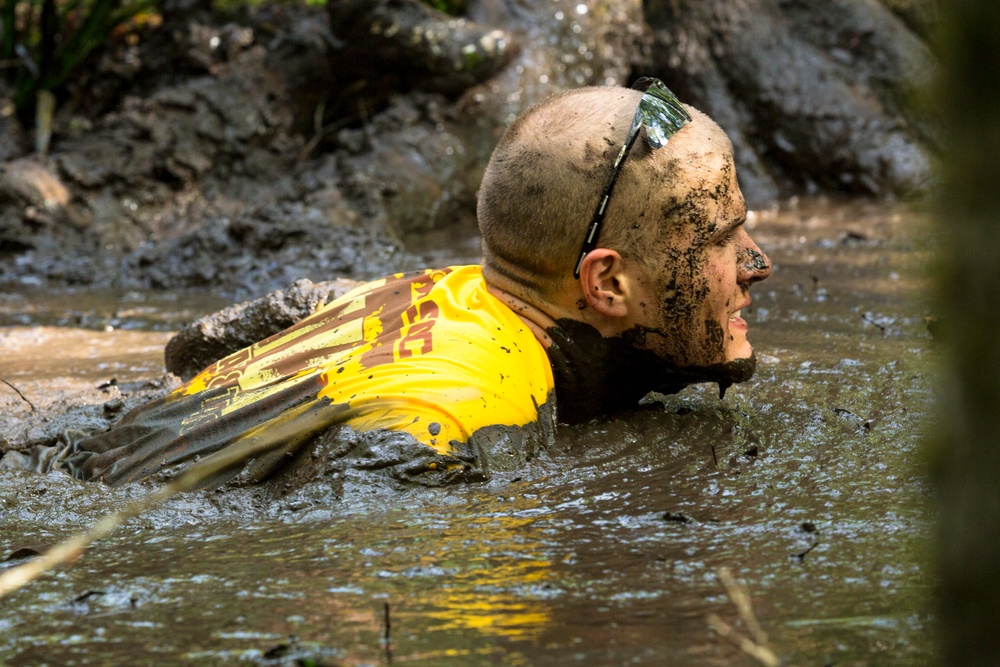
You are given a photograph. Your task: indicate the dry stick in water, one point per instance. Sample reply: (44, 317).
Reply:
(69, 550)
(23, 397)
(757, 647)
(388, 636)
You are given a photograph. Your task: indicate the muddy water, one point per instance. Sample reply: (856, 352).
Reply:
(805, 482)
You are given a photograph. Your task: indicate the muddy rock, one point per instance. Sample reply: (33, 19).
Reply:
(415, 172)
(416, 161)
(814, 97)
(215, 336)
(196, 178)
(144, 157)
(266, 249)
(408, 44)
(921, 16)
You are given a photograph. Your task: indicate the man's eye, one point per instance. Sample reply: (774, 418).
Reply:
(727, 238)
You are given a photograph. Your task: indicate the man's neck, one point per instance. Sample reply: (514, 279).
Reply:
(594, 375)
(533, 317)
(597, 373)
(539, 311)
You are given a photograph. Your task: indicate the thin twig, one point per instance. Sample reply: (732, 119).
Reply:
(757, 647)
(388, 636)
(802, 555)
(761, 654)
(69, 550)
(870, 320)
(190, 478)
(741, 598)
(23, 397)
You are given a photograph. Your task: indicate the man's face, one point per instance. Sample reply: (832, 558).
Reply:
(705, 261)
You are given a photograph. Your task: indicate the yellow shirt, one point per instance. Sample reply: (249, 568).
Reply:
(432, 354)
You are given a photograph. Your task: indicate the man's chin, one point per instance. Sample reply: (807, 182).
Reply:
(725, 374)
(595, 375)
(740, 370)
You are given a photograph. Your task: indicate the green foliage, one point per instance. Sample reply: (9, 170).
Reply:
(453, 7)
(43, 43)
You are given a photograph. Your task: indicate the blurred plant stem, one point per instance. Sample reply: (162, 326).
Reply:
(45, 108)
(45, 43)
(453, 7)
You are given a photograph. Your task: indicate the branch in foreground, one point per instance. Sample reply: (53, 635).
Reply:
(757, 647)
(70, 549)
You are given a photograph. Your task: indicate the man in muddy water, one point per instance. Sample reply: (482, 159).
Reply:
(612, 266)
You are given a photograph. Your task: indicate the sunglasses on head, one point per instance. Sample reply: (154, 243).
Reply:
(661, 114)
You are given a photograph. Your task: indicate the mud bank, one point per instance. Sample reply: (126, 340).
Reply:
(241, 150)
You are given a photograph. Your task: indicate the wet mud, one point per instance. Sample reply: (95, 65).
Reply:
(806, 482)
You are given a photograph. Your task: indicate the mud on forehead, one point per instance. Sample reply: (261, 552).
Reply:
(667, 195)
(695, 178)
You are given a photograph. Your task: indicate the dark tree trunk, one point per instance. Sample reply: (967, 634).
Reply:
(967, 450)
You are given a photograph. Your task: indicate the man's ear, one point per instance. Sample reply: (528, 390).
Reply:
(605, 283)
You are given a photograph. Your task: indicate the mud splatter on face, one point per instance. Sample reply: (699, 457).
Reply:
(693, 280)
(705, 262)
(682, 285)
(714, 336)
(754, 260)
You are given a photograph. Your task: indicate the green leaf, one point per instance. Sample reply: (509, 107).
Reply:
(453, 7)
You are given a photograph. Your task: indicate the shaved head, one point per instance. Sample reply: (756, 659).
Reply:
(548, 171)
(657, 303)
(544, 180)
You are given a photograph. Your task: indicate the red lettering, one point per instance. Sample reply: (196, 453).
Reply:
(422, 316)
(419, 332)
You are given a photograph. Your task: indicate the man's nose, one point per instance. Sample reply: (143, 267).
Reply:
(754, 264)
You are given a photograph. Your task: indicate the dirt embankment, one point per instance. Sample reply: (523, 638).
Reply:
(241, 152)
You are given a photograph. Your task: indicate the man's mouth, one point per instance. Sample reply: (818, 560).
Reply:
(737, 320)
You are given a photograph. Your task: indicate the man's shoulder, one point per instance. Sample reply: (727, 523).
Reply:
(448, 351)
(440, 314)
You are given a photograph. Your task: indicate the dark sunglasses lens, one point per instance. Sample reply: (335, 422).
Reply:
(662, 114)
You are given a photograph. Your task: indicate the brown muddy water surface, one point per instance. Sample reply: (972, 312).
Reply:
(805, 482)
